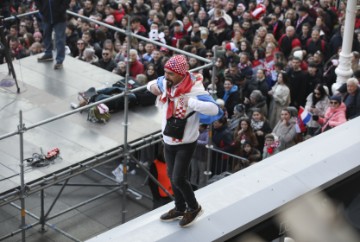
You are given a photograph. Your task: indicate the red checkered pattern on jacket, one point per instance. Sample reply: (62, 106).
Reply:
(180, 112)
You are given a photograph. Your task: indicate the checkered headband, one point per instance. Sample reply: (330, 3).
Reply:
(177, 64)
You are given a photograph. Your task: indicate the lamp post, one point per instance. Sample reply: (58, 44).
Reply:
(344, 71)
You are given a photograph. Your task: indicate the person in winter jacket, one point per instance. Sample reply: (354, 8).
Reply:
(230, 96)
(285, 129)
(334, 115)
(53, 15)
(316, 103)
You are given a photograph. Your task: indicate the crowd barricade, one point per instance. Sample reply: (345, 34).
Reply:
(218, 166)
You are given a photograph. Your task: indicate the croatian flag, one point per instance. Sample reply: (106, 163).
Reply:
(304, 115)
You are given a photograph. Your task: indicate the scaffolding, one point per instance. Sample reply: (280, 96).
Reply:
(124, 152)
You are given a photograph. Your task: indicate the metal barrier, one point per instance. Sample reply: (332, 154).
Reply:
(220, 165)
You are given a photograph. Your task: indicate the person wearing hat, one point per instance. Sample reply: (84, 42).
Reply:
(181, 95)
(303, 18)
(335, 114)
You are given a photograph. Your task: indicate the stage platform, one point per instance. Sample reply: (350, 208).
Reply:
(45, 93)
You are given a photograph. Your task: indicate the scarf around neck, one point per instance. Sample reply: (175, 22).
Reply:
(182, 88)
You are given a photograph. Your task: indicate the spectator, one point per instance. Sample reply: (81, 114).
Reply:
(157, 61)
(37, 37)
(150, 72)
(263, 82)
(270, 146)
(106, 62)
(289, 41)
(147, 56)
(230, 95)
(36, 48)
(89, 56)
(88, 8)
(177, 33)
(335, 114)
(250, 153)
(303, 18)
(71, 38)
(280, 98)
(136, 67)
(315, 44)
(256, 100)
(352, 98)
(317, 103)
(120, 69)
(285, 130)
(244, 133)
(199, 158)
(137, 27)
(260, 126)
(16, 49)
(81, 45)
(239, 113)
(245, 65)
(207, 38)
(222, 139)
(297, 83)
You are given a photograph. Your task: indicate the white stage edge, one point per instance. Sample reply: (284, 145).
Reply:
(240, 201)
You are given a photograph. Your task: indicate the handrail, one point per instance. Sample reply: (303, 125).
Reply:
(226, 153)
(140, 37)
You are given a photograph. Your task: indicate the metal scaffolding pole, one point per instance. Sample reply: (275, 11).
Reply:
(209, 146)
(126, 118)
(21, 129)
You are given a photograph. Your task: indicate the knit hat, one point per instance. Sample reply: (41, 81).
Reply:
(336, 98)
(240, 108)
(299, 54)
(177, 64)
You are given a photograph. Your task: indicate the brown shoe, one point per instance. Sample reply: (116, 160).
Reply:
(172, 215)
(190, 216)
(58, 66)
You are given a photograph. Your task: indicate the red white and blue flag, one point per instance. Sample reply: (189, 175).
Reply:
(303, 118)
(304, 115)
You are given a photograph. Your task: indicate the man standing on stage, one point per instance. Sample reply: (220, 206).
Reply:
(53, 15)
(182, 96)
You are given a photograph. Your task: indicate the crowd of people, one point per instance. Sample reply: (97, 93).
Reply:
(273, 58)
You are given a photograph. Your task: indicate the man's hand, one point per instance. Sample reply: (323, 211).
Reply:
(154, 89)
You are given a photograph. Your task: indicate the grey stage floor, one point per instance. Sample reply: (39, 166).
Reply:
(45, 93)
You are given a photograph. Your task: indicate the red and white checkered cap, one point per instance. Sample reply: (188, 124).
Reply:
(177, 64)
